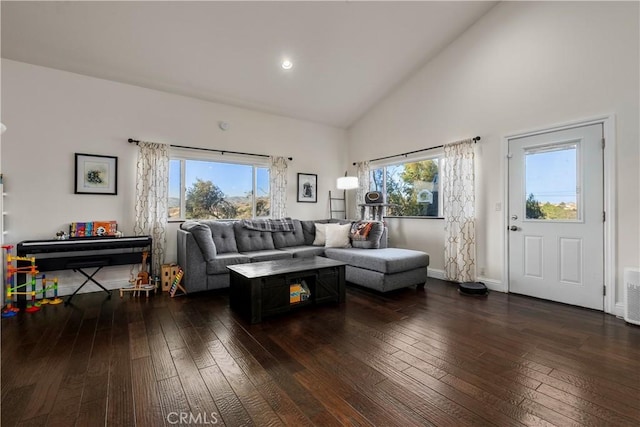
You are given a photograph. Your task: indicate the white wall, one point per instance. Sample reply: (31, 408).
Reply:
(523, 66)
(51, 114)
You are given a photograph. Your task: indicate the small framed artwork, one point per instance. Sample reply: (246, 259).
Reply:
(308, 187)
(96, 174)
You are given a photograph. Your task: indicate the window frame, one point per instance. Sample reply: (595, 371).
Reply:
(543, 149)
(183, 155)
(434, 154)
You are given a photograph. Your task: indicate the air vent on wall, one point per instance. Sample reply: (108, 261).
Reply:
(632, 295)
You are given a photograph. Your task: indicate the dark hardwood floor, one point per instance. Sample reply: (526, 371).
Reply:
(407, 358)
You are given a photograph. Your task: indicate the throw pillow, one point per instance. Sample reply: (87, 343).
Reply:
(360, 230)
(321, 234)
(366, 234)
(338, 236)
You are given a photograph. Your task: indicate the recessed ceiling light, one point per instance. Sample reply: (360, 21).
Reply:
(286, 64)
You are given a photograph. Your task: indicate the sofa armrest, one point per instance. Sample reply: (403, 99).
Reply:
(192, 262)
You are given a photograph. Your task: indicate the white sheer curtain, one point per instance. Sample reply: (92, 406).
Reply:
(459, 212)
(362, 172)
(152, 178)
(278, 181)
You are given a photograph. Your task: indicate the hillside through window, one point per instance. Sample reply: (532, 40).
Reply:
(205, 189)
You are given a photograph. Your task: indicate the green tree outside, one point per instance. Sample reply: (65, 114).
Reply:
(534, 209)
(204, 200)
(404, 182)
(263, 206)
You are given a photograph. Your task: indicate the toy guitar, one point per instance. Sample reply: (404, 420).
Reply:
(143, 275)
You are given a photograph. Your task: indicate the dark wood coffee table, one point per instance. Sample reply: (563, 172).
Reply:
(263, 288)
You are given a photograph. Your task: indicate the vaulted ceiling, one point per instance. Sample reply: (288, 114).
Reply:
(346, 55)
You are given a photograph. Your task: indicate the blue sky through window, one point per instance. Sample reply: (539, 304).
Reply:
(235, 180)
(551, 175)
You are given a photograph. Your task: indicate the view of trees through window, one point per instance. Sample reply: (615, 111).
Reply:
(412, 188)
(547, 210)
(217, 190)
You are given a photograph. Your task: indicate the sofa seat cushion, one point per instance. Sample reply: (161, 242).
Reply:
(268, 255)
(304, 251)
(283, 239)
(389, 260)
(252, 240)
(219, 264)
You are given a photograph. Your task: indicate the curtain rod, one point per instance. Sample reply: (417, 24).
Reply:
(132, 141)
(476, 139)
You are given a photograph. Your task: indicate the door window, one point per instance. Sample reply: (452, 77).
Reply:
(552, 190)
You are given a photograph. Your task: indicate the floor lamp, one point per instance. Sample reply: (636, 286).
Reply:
(346, 183)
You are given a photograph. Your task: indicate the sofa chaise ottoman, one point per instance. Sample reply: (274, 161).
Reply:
(383, 269)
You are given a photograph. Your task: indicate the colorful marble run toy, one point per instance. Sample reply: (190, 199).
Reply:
(13, 289)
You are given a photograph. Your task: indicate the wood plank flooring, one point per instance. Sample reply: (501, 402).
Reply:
(406, 358)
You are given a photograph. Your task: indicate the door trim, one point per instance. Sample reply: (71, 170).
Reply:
(608, 122)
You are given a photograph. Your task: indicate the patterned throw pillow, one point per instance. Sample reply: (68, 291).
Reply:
(366, 234)
(360, 230)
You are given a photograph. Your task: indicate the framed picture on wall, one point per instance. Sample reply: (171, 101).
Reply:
(308, 187)
(96, 174)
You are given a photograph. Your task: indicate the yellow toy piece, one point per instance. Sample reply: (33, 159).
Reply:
(55, 299)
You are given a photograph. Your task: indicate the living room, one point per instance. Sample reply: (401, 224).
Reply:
(516, 68)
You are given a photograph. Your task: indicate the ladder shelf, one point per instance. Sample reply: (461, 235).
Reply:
(340, 209)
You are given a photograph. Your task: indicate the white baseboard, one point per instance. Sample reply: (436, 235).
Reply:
(64, 290)
(493, 285)
(436, 274)
(496, 285)
(618, 310)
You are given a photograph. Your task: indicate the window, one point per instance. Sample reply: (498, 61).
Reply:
(205, 188)
(413, 188)
(551, 183)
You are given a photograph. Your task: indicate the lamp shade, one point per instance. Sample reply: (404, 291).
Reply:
(347, 183)
(2, 128)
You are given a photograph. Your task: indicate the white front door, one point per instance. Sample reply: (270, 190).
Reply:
(556, 231)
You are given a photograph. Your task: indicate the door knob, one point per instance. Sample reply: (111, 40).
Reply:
(513, 228)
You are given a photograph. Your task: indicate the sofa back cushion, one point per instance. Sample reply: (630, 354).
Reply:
(223, 235)
(202, 235)
(285, 239)
(252, 240)
(366, 234)
(309, 231)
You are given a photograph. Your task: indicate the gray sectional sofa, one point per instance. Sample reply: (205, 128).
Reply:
(206, 248)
